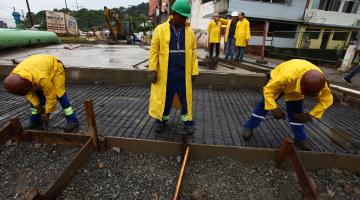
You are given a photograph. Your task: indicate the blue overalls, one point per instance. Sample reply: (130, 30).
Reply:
(292, 107)
(65, 104)
(176, 83)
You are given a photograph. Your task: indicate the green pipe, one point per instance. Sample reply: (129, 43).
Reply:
(21, 38)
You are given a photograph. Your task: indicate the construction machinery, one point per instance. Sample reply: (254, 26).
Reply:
(110, 17)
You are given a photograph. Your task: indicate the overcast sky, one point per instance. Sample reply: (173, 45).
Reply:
(38, 5)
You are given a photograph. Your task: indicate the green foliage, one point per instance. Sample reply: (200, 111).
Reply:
(88, 19)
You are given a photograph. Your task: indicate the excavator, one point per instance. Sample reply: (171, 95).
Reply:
(115, 32)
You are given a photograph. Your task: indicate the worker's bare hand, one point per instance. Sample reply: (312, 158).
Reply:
(193, 78)
(40, 109)
(278, 113)
(152, 76)
(303, 117)
(45, 117)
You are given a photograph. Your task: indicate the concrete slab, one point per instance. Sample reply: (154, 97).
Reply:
(98, 56)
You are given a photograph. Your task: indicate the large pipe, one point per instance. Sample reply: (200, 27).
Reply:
(21, 38)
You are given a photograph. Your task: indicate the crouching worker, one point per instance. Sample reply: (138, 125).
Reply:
(295, 79)
(41, 78)
(172, 67)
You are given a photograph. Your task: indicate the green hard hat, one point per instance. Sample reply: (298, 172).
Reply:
(182, 7)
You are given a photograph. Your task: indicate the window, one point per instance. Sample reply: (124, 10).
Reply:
(282, 30)
(340, 35)
(353, 36)
(286, 2)
(327, 5)
(351, 7)
(205, 1)
(313, 33)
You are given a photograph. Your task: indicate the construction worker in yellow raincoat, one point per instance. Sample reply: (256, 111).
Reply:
(295, 79)
(214, 30)
(172, 66)
(42, 79)
(242, 36)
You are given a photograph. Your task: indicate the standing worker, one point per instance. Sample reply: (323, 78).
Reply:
(229, 35)
(242, 36)
(172, 67)
(294, 79)
(42, 79)
(214, 29)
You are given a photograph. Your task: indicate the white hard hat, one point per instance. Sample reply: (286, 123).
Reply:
(234, 14)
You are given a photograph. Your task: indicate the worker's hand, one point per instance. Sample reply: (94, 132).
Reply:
(40, 109)
(278, 113)
(193, 78)
(303, 118)
(152, 76)
(45, 117)
(247, 42)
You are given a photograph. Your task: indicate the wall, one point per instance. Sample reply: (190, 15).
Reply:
(322, 17)
(270, 10)
(201, 14)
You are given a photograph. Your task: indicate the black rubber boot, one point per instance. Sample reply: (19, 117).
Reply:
(248, 132)
(69, 127)
(35, 126)
(302, 145)
(189, 129)
(159, 126)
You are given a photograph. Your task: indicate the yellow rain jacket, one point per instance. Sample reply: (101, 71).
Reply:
(214, 31)
(242, 32)
(45, 72)
(158, 61)
(286, 77)
(227, 23)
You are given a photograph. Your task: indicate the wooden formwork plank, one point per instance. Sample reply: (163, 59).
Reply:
(10, 130)
(70, 171)
(182, 174)
(68, 139)
(90, 115)
(308, 186)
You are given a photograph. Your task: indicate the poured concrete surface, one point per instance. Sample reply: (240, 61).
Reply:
(98, 56)
(219, 117)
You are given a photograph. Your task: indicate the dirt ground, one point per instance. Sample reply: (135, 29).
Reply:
(26, 165)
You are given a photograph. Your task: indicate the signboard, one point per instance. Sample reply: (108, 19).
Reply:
(61, 23)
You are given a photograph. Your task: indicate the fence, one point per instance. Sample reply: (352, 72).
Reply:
(317, 46)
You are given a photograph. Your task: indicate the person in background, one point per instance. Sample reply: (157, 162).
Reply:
(295, 79)
(214, 29)
(351, 74)
(228, 18)
(229, 35)
(242, 36)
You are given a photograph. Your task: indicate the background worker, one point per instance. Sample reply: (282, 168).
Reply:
(242, 36)
(229, 35)
(352, 73)
(214, 30)
(295, 79)
(42, 79)
(172, 67)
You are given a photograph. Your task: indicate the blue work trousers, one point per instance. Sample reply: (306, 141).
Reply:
(65, 104)
(352, 73)
(240, 53)
(230, 45)
(293, 107)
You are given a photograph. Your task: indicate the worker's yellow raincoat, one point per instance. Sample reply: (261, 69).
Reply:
(242, 33)
(286, 78)
(158, 61)
(214, 31)
(226, 23)
(45, 72)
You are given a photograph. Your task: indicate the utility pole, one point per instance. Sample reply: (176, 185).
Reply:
(66, 6)
(31, 20)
